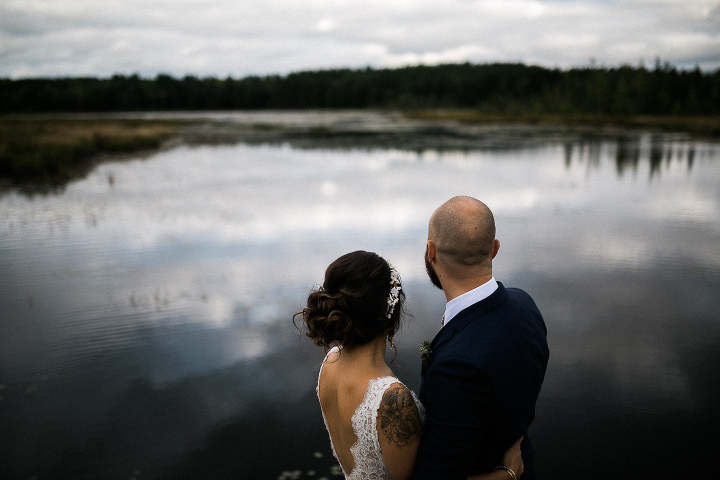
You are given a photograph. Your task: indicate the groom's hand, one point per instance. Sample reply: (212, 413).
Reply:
(513, 458)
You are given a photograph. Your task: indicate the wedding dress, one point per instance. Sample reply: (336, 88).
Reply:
(369, 464)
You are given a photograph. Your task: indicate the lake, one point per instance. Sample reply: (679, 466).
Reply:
(146, 310)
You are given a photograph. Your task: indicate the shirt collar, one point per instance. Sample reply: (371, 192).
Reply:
(461, 302)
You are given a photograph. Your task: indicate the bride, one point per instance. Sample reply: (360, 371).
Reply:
(373, 420)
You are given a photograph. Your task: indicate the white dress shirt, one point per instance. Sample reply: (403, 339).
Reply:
(461, 302)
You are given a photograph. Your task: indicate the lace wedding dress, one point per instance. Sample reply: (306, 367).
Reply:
(369, 464)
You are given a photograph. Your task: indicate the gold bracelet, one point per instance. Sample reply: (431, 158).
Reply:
(507, 469)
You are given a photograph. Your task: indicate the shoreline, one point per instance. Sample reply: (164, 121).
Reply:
(702, 126)
(44, 152)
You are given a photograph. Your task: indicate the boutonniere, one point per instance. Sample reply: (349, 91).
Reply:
(425, 354)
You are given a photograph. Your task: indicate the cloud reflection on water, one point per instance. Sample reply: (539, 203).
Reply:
(181, 275)
(214, 214)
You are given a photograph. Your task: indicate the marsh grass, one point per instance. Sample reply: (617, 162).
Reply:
(705, 126)
(48, 152)
(41, 152)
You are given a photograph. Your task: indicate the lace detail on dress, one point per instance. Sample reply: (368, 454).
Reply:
(366, 452)
(369, 464)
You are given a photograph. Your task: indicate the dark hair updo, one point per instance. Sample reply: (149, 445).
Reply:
(351, 306)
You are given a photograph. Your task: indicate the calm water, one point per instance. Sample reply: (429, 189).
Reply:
(145, 311)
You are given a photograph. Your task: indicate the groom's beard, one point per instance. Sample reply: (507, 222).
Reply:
(431, 271)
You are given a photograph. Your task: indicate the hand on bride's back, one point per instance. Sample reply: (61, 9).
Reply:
(513, 458)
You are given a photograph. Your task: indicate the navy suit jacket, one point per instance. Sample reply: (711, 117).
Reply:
(480, 387)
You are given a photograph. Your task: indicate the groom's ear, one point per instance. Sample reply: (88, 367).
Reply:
(431, 251)
(496, 247)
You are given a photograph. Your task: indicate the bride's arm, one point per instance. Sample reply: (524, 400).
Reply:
(399, 430)
(511, 460)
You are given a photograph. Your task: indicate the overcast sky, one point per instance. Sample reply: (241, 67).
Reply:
(242, 37)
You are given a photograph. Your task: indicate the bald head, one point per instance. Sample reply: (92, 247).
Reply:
(463, 231)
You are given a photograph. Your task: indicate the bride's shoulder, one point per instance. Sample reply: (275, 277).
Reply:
(399, 428)
(330, 358)
(398, 398)
(332, 355)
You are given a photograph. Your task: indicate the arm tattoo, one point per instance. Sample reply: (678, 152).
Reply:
(399, 419)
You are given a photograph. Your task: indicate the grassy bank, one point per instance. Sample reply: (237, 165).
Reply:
(49, 152)
(44, 152)
(704, 126)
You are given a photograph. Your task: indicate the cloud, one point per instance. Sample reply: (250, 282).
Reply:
(217, 38)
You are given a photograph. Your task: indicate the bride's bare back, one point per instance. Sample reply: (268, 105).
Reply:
(347, 382)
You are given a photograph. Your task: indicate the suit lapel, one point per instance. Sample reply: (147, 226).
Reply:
(459, 322)
(467, 316)
(444, 335)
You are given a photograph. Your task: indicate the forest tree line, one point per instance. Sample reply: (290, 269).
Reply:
(489, 88)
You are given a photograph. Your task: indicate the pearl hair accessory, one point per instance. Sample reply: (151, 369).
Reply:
(394, 291)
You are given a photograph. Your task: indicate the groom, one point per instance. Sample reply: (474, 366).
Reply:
(488, 361)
